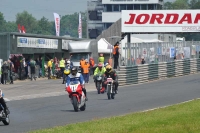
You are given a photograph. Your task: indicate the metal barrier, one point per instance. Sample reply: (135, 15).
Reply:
(144, 73)
(159, 52)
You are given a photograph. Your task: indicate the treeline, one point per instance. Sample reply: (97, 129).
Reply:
(68, 24)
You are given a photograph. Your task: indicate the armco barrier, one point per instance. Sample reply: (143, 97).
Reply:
(148, 72)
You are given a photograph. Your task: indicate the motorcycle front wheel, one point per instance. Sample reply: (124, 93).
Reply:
(75, 103)
(98, 87)
(108, 91)
(6, 121)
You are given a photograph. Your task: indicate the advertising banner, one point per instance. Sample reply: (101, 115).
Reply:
(37, 43)
(172, 52)
(57, 23)
(167, 21)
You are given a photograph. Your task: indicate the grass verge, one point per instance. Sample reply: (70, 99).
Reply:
(180, 118)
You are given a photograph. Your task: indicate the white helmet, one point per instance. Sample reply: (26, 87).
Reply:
(68, 62)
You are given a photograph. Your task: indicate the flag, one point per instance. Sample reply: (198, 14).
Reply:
(80, 26)
(19, 28)
(23, 30)
(57, 23)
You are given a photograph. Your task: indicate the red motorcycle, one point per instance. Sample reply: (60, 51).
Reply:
(76, 95)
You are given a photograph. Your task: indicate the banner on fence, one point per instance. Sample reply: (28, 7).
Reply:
(172, 52)
(29, 42)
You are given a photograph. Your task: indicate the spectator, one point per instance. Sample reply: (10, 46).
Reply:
(5, 69)
(49, 65)
(101, 59)
(143, 61)
(11, 68)
(116, 55)
(32, 65)
(82, 62)
(91, 62)
(86, 68)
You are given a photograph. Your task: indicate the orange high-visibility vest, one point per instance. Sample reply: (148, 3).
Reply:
(114, 50)
(82, 62)
(86, 68)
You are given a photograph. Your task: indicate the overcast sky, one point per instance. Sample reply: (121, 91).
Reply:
(40, 8)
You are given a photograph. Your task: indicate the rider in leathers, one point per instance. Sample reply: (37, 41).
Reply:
(74, 76)
(3, 103)
(112, 73)
(100, 69)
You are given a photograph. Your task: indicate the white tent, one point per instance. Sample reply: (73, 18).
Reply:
(104, 46)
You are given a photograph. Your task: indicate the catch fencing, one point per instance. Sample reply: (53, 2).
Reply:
(158, 52)
(144, 73)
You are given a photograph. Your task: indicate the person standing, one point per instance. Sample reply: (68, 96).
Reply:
(86, 68)
(101, 59)
(82, 62)
(62, 66)
(32, 65)
(116, 55)
(5, 68)
(91, 62)
(49, 65)
(11, 68)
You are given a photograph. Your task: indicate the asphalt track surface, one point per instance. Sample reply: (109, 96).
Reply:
(39, 113)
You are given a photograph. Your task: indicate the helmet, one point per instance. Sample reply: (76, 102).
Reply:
(68, 62)
(66, 71)
(108, 68)
(100, 65)
(74, 71)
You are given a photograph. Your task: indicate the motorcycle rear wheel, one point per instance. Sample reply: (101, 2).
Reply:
(75, 103)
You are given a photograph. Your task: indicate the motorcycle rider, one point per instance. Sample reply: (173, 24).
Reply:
(74, 76)
(3, 103)
(112, 73)
(100, 69)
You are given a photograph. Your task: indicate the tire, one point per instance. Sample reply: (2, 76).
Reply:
(7, 121)
(108, 92)
(83, 107)
(98, 87)
(75, 103)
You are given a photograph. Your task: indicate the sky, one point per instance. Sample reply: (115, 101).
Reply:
(40, 8)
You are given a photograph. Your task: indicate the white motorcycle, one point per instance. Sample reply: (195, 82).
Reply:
(76, 95)
(110, 88)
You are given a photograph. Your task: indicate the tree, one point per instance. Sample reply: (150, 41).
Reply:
(28, 21)
(168, 5)
(69, 24)
(2, 23)
(180, 4)
(11, 27)
(44, 26)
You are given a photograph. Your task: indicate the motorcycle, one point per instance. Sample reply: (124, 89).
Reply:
(76, 95)
(110, 88)
(99, 80)
(3, 117)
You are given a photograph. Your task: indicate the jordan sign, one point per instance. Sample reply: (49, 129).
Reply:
(156, 21)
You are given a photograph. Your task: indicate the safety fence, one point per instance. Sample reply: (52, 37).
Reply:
(158, 52)
(144, 73)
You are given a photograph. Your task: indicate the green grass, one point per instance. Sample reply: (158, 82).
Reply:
(180, 118)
